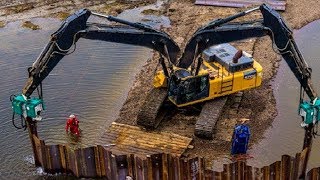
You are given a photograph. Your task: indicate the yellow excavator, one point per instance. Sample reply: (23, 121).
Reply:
(224, 70)
(209, 69)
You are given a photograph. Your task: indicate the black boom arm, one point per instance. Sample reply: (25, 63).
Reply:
(63, 41)
(222, 31)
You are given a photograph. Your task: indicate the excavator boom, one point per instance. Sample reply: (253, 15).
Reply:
(221, 31)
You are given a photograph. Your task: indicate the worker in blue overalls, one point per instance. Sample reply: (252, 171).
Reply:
(240, 138)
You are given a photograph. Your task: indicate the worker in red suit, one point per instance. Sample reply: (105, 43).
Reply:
(73, 124)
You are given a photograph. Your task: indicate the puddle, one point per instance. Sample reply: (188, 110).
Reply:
(136, 15)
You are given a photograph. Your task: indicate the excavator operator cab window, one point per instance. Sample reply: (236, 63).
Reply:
(189, 89)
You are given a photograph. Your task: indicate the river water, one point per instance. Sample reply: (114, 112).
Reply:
(92, 83)
(286, 136)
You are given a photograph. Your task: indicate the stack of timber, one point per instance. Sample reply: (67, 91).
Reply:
(126, 139)
(276, 4)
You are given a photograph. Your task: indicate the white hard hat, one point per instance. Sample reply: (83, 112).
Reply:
(72, 116)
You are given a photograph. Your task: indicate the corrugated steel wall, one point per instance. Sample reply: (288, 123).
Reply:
(98, 162)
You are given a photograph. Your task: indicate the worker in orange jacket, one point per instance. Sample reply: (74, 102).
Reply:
(73, 124)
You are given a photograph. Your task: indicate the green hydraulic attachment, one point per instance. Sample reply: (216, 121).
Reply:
(27, 107)
(310, 111)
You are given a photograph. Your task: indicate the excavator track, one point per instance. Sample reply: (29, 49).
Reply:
(152, 111)
(208, 117)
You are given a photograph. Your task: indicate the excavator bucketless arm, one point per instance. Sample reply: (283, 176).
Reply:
(63, 42)
(272, 24)
(222, 31)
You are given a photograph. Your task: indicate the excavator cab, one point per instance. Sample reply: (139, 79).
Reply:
(183, 90)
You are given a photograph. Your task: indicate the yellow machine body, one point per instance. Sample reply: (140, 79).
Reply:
(221, 81)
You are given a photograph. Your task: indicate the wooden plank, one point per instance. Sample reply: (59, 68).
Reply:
(278, 5)
(134, 140)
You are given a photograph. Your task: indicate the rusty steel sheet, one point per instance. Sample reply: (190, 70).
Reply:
(127, 139)
(88, 156)
(55, 160)
(276, 4)
(314, 174)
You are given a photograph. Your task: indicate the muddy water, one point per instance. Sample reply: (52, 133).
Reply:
(92, 83)
(286, 135)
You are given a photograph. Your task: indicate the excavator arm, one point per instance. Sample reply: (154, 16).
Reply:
(63, 42)
(272, 24)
